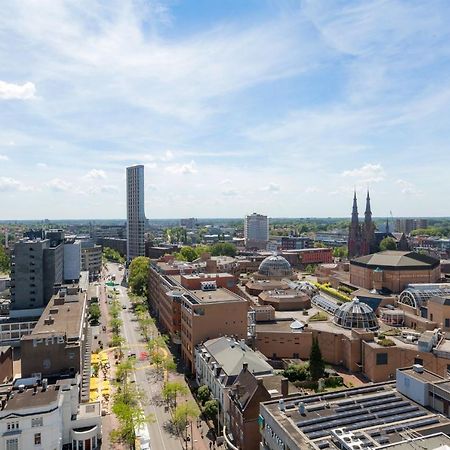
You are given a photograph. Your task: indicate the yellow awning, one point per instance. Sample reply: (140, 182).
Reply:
(93, 383)
(93, 396)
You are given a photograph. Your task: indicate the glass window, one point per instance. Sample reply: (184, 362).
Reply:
(12, 444)
(382, 359)
(37, 439)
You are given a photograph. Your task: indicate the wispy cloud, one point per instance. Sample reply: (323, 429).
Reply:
(4, 158)
(96, 174)
(368, 173)
(182, 169)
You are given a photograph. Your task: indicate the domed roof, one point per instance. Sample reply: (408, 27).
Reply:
(275, 266)
(356, 314)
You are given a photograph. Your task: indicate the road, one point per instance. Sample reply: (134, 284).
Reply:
(160, 437)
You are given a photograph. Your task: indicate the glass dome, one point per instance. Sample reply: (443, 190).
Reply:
(275, 266)
(355, 314)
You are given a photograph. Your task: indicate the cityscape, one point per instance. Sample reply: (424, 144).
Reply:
(221, 226)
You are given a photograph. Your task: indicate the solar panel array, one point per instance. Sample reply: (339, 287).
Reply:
(378, 409)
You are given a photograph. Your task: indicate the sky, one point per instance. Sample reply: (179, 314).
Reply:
(280, 107)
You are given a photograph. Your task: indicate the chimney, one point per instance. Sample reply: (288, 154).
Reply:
(244, 367)
(284, 387)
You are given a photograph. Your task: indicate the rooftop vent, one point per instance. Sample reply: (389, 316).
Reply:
(208, 285)
(49, 320)
(418, 368)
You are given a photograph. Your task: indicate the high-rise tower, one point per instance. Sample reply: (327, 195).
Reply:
(135, 212)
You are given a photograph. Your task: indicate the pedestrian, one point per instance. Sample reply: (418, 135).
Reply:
(210, 444)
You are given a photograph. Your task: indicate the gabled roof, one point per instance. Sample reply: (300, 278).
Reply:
(231, 355)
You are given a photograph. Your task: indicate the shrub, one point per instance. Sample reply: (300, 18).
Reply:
(386, 342)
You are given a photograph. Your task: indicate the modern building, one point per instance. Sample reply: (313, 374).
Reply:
(256, 231)
(118, 244)
(193, 308)
(219, 361)
(302, 258)
(402, 416)
(37, 265)
(91, 260)
(406, 225)
(60, 340)
(108, 231)
(295, 242)
(72, 259)
(135, 212)
(393, 270)
(47, 414)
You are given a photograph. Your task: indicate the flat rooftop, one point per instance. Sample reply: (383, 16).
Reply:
(62, 316)
(29, 399)
(216, 296)
(376, 415)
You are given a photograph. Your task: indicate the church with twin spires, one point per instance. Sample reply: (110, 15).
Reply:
(361, 236)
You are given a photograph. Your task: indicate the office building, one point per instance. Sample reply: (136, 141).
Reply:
(37, 265)
(60, 340)
(135, 212)
(72, 259)
(91, 260)
(256, 231)
(47, 414)
(397, 416)
(406, 225)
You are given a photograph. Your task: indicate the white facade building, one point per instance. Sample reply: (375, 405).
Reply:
(256, 231)
(45, 417)
(72, 259)
(135, 212)
(218, 362)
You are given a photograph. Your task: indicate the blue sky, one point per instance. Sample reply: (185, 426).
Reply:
(280, 107)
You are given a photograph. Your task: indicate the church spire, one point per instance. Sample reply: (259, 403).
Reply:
(355, 209)
(368, 213)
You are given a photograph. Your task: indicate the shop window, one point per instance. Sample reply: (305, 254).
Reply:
(37, 439)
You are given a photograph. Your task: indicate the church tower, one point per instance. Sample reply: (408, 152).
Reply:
(354, 232)
(368, 230)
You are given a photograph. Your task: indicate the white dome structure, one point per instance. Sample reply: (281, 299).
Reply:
(356, 314)
(275, 266)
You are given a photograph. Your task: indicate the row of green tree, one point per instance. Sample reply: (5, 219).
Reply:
(189, 254)
(5, 263)
(113, 255)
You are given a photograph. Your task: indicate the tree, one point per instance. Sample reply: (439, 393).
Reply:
(340, 252)
(185, 413)
(388, 243)
(4, 260)
(296, 372)
(172, 389)
(113, 255)
(223, 248)
(203, 394)
(115, 325)
(138, 275)
(94, 313)
(186, 253)
(316, 363)
(211, 409)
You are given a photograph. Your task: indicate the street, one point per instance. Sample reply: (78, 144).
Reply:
(145, 376)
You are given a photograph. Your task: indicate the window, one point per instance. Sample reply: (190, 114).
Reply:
(37, 439)
(12, 444)
(12, 425)
(418, 361)
(37, 422)
(447, 323)
(382, 359)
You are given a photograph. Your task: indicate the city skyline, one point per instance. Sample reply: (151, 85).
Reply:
(279, 107)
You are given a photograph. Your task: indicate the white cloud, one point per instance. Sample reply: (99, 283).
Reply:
(271, 187)
(168, 156)
(95, 174)
(4, 158)
(368, 173)
(183, 169)
(11, 184)
(407, 188)
(230, 192)
(42, 165)
(312, 189)
(58, 185)
(10, 91)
